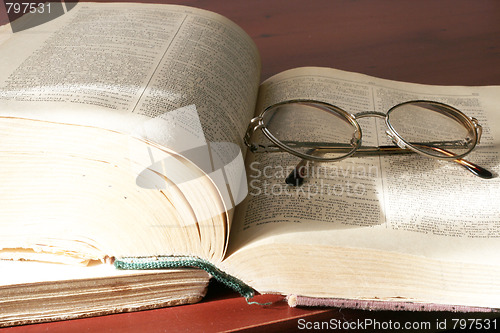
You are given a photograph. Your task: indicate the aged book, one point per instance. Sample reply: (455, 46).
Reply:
(126, 183)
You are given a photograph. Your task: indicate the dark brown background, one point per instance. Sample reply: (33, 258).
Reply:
(451, 42)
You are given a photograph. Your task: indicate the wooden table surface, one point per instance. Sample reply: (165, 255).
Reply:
(451, 42)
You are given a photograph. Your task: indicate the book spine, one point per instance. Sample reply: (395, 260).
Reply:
(165, 262)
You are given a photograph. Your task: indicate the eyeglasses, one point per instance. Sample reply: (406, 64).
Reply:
(318, 131)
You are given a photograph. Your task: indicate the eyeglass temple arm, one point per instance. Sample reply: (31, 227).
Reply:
(252, 127)
(472, 167)
(297, 176)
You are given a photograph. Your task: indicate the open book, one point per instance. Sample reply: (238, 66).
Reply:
(122, 142)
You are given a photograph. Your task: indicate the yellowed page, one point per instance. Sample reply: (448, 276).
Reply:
(180, 77)
(127, 66)
(408, 204)
(101, 62)
(5, 33)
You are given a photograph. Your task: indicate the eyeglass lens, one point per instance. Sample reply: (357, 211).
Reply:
(431, 127)
(315, 129)
(303, 127)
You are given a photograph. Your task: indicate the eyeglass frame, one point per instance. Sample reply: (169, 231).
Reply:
(402, 146)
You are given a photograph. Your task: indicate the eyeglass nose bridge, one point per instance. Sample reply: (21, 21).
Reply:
(394, 137)
(365, 114)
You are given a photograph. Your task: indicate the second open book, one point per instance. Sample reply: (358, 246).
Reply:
(122, 141)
